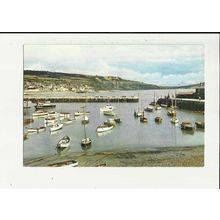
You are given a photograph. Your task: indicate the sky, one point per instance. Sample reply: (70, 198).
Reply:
(166, 65)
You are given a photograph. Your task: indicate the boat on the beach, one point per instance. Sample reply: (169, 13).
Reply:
(39, 113)
(44, 105)
(103, 128)
(56, 127)
(107, 108)
(158, 119)
(69, 163)
(174, 120)
(64, 142)
(186, 125)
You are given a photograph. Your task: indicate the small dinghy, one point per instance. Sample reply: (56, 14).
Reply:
(104, 128)
(186, 125)
(56, 127)
(64, 142)
(149, 109)
(158, 119)
(85, 120)
(200, 124)
(174, 120)
(86, 142)
(70, 163)
(157, 107)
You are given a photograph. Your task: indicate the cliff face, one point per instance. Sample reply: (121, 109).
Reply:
(54, 81)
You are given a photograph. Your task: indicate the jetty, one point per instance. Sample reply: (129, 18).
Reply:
(54, 99)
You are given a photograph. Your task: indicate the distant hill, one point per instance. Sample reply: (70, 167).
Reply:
(45, 80)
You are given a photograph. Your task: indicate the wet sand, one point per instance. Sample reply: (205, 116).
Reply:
(160, 157)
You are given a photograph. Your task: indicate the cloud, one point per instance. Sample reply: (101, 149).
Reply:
(157, 64)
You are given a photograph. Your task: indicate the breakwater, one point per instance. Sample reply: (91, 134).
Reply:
(82, 99)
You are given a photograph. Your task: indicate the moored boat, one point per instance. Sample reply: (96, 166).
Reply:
(200, 124)
(85, 120)
(174, 120)
(32, 130)
(157, 107)
(53, 114)
(44, 105)
(107, 108)
(39, 113)
(86, 142)
(137, 114)
(171, 112)
(149, 109)
(143, 119)
(64, 114)
(109, 113)
(103, 128)
(49, 120)
(186, 125)
(158, 119)
(56, 127)
(64, 142)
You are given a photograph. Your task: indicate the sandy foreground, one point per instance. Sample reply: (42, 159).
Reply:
(161, 157)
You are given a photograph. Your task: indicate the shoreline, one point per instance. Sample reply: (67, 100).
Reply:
(160, 157)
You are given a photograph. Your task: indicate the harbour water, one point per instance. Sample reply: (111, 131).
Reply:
(129, 135)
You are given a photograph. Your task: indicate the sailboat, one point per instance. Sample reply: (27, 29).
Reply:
(171, 111)
(154, 102)
(64, 142)
(143, 118)
(137, 113)
(85, 117)
(86, 141)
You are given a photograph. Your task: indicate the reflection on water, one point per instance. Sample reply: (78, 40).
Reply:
(131, 134)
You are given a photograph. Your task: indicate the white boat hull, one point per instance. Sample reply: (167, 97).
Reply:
(104, 128)
(56, 127)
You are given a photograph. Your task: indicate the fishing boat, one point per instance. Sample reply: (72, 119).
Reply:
(39, 113)
(200, 124)
(117, 120)
(158, 119)
(157, 107)
(56, 127)
(110, 121)
(107, 108)
(64, 142)
(70, 163)
(44, 105)
(149, 109)
(109, 113)
(64, 114)
(186, 125)
(103, 128)
(40, 129)
(174, 120)
(66, 120)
